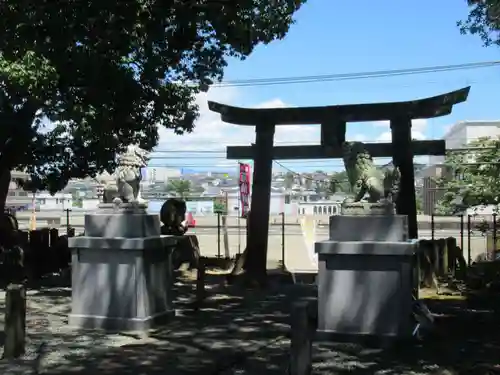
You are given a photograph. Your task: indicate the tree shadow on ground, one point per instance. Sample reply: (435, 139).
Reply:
(46, 325)
(465, 340)
(232, 328)
(236, 331)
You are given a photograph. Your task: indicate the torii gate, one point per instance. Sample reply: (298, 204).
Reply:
(333, 120)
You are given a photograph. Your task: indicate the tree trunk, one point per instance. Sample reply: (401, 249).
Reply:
(225, 234)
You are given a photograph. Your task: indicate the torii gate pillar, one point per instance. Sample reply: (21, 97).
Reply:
(402, 152)
(261, 196)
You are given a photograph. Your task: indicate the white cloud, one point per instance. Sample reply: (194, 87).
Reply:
(417, 130)
(207, 132)
(274, 103)
(359, 138)
(211, 133)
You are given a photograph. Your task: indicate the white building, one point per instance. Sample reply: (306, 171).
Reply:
(58, 201)
(464, 132)
(160, 174)
(319, 208)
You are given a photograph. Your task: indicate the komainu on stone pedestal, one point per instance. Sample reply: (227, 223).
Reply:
(128, 174)
(366, 178)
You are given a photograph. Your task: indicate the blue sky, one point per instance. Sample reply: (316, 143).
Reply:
(331, 37)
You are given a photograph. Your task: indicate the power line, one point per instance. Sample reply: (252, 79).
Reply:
(297, 143)
(357, 75)
(301, 174)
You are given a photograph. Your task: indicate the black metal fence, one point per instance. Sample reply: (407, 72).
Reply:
(466, 228)
(284, 229)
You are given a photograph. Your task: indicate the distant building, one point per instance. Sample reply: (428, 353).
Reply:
(464, 132)
(58, 201)
(326, 207)
(458, 136)
(160, 174)
(18, 199)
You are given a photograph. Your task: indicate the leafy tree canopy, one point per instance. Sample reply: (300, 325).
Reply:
(105, 74)
(179, 187)
(483, 20)
(339, 183)
(474, 178)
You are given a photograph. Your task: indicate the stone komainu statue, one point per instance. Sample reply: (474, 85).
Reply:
(128, 174)
(366, 178)
(110, 193)
(173, 217)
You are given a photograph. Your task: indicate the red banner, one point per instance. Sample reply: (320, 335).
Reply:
(244, 189)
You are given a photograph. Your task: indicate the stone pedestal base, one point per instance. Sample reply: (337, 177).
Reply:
(121, 283)
(128, 220)
(365, 288)
(368, 228)
(366, 209)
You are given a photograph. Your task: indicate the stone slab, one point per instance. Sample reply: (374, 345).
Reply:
(121, 283)
(366, 289)
(128, 224)
(392, 228)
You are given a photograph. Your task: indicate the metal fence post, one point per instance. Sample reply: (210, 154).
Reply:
(494, 235)
(218, 235)
(432, 226)
(283, 239)
(68, 226)
(461, 231)
(469, 232)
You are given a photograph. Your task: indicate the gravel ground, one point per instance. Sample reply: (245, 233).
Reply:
(47, 312)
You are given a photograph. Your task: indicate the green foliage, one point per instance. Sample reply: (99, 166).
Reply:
(339, 183)
(474, 178)
(220, 207)
(180, 187)
(420, 204)
(483, 21)
(80, 83)
(78, 203)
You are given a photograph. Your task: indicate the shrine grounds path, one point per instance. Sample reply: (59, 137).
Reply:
(246, 332)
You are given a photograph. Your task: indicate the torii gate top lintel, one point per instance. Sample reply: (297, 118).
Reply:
(333, 121)
(431, 107)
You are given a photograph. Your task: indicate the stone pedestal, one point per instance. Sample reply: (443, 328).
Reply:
(365, 277)
(121, 270)
(367, 209)
(368, 228)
